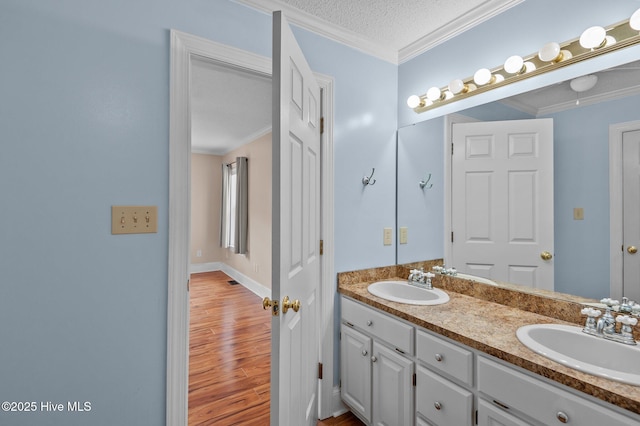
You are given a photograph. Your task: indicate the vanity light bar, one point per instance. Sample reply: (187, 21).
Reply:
(593, 42)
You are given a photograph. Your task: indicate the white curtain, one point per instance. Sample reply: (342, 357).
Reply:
(224, 210)
(242, 205)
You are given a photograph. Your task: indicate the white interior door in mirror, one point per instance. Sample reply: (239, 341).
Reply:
(631, 207)
(296, 232)
(502, 200)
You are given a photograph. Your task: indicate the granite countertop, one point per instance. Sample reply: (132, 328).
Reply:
(491, 328)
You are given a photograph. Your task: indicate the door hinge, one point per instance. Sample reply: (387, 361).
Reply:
(321, 125)
(476, 416)
(188, 285)
(414, 379)
(321, 247)
(320, 370)
(451, 148)
(451, 236)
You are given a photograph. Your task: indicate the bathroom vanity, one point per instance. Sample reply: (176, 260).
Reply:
(461, 364)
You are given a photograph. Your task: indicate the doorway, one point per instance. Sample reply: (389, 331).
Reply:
(184, 48)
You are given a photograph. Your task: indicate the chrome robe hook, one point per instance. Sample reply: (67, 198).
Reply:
(368, 180)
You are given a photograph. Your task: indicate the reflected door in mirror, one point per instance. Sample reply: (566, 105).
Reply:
(631, 212)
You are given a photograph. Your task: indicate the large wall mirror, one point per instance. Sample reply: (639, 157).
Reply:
(582, 117)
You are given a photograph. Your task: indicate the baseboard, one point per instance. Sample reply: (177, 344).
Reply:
(338, 407)
(244, 280)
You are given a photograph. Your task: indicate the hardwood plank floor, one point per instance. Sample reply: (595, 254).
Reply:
(230, 356)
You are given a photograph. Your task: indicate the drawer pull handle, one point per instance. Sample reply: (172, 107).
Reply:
(439, 357)
(562, 417)
(369, 323)
(374, 359)
(364, 352)
(437, 405)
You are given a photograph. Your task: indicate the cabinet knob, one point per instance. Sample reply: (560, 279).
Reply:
(562, 417)
(438, 357)
(364, 352)
(437, 405)
(374, 359)
(369, 323)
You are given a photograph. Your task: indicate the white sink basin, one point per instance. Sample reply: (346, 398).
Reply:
(476, 279)
(569, 346)
(400, 291)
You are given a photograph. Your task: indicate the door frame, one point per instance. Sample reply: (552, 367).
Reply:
(616, 236)
(183, 47)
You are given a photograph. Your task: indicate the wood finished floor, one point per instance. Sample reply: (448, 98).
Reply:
(230, 356)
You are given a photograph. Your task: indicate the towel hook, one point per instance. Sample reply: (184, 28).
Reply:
(367, 180)
(425, 182)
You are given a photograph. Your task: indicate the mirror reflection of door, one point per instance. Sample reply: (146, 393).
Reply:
(631, 215)
(502, 201)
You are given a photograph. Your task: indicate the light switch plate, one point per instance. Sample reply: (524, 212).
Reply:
(578, 213)
(388, 236)
(403, 234)
(134, 219)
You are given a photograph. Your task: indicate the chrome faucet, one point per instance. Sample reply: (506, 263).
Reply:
(420, 278)
(605, 327)
(443, 270)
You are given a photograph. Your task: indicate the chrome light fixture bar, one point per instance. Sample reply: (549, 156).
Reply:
(593, 42)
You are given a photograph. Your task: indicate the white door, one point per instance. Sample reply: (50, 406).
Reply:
(631, 214)
(502, 201)
(296, 232)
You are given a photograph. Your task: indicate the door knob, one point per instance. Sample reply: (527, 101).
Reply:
(273, 304)
(632, 249)
(545, 255)
(286, 304)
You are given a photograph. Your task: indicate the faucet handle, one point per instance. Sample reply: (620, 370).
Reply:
(429, 275)
(609, 302)
(626, 320)
(591, 312)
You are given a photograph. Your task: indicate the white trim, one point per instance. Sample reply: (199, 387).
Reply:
(251, 138)
(476, 16)
(616, 241)
(246, 281)
(338, 406)
(183, 47)
(463, 23)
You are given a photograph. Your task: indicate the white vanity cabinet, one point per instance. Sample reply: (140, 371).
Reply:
(376, 369)
(524, 397)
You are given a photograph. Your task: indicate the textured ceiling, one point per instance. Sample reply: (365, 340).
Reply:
(396, 23)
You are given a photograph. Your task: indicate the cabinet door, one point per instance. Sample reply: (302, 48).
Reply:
(392, 387)
(489, 415)
(355, 367)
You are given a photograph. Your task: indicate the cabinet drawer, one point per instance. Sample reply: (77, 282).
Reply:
(445, 357)
(383, 327)
(542, 401)
(440, 401)
(490, 415)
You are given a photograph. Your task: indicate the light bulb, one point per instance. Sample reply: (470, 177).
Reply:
(414, 101)
(483, 76)
(551, 52)
(634, 21)
(457, 86)
(593, 37)
(514, 65)
(434, 94)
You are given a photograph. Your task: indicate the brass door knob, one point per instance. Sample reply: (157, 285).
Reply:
(286, 304)
(632, 249)
(268, 303)
(545, 255)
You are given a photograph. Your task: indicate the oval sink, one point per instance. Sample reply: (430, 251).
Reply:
(476, 279)
(400, 291)
(569, 346)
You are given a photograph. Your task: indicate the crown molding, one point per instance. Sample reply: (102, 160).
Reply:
(326, 29)
(478, 15)
(474, 17)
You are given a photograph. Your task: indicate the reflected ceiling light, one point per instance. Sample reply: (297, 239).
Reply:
(435, 94)
(516, 65)
(483, 76)
(458, 86)
(634, 21)
(595, 38)
(551, 52)
(414, 101)
(584, 83)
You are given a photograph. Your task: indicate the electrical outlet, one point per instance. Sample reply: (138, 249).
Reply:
(134, 219)
(403, 234)
(578, 213)
(388, 236)
(198, 253)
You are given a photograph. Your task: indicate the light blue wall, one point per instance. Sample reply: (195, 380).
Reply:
(84, 110)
